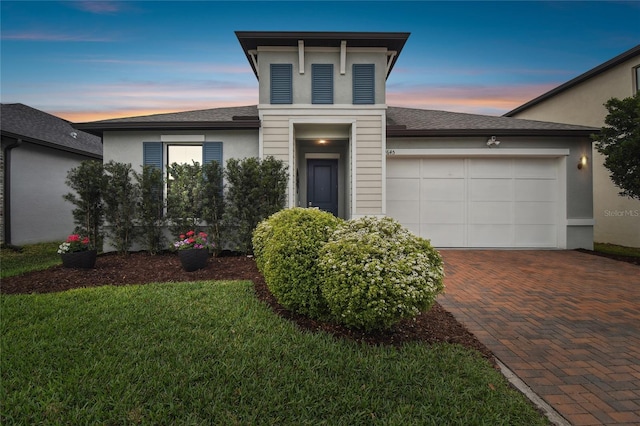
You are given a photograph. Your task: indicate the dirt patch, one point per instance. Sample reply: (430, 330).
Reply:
(434, 326)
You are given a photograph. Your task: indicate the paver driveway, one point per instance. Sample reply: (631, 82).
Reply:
(565, 322)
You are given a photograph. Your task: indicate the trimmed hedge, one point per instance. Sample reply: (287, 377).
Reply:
(286, 246)
(376, 272)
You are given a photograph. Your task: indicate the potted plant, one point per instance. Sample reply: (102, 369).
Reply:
(76, 252)
(193, 250)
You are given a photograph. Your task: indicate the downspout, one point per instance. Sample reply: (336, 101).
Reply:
(6, 155)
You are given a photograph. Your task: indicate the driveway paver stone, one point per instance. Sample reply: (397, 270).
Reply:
(566, 323)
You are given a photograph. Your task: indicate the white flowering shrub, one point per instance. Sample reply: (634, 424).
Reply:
(286, 247)
(375, 273)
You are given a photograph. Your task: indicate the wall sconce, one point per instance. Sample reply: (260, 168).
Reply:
(583, 162)
(493, 142)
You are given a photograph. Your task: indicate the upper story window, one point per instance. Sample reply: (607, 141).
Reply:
(364, 84)
(281, 83)
(637, 73)
(322, 83)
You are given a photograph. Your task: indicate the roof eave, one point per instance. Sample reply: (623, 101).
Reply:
(99, 128)
(488, 132)
(50, 145)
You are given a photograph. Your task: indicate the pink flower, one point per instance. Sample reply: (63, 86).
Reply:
(85, 240)
(182, 236)
(190, 234)
(73, 238)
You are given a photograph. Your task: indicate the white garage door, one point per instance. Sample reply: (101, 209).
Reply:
(476, 202)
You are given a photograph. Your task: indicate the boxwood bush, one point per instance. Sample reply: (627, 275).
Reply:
(286, 246)
(376, 273)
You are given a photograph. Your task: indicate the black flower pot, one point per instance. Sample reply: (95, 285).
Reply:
(193, 259)
(79, 259)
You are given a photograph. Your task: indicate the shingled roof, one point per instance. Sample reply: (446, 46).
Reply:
(20, 121)
(400, 122)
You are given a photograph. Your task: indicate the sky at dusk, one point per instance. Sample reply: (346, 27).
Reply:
(91, 60)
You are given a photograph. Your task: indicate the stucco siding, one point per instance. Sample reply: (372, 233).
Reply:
(617, 218)
(38, 176)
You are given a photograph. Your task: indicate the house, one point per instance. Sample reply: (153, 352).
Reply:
(461, 180)
(581, 101)
(38, 149)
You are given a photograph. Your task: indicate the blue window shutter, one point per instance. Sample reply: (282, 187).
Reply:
(322, 83)
(212, 151)
(152, 154)
(281, 83)
(364, 84)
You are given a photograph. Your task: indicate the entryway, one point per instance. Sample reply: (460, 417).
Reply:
(322, 184)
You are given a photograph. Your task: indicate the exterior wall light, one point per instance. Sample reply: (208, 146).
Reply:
(493, 142)
(583, 162)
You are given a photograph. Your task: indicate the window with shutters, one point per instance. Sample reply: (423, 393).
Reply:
(161, 155)
(363, 84)
(322, 83)
(281, 84)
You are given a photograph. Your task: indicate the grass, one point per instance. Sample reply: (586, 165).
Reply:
(617, 250)
(32, 257)
(211, 353)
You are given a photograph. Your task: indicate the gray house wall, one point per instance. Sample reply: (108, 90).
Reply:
(38, 177)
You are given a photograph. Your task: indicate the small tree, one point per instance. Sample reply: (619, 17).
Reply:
(185, 198)
(150, 209)
(87, 181)
(619, 142)
(256, 190)
(213, 206)
(120, 199)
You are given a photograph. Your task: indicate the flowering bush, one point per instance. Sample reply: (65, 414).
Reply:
(375, 272)
(74, 244)
(191, 240)
(286, 247)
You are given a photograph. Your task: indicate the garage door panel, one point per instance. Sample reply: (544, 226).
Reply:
(443, 167)
(407, 167)
(443, 235)
(402, 188)
(490, 236)
(490, 213)
(541, 168)
(442, 189)
(536, 235)
(405, 211)
(491, 189)
(489, 167)
(438, 212)
(535, 213)
(535, 190)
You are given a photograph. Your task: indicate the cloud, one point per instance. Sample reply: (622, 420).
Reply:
(99, 7)
(51, 36)
(173, 66)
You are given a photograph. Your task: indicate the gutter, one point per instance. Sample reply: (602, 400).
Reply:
(6, 155)
(398, 132)
(238, 123)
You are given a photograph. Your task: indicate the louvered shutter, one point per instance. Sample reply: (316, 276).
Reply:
(212, 151)
(363, 83)
(281, 83)
(152, 154)
(322, 83)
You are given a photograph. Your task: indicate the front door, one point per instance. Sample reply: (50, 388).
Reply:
(322, 185)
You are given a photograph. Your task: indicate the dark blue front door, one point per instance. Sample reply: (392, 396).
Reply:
(322, 185)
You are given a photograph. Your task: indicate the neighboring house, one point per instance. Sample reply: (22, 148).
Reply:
(581, 101)
(38, 149)
(460, 180)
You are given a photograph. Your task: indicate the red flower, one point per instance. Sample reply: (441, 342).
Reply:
(202, 235)
(182, 236)
(85, 240)
(73, 237)
(192, 240)
(190, 234)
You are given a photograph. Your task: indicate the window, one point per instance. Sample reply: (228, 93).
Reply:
(363, 83)
(322, 83)
(281, 83)
(637, 79)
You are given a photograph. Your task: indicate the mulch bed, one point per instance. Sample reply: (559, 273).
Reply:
(434, 326)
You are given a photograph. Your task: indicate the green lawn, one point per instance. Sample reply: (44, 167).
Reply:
(614, 249)
(32, 257)
(211, 353)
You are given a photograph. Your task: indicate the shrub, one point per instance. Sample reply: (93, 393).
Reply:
(376, 273)
(185, 198)
(255, 190)
(87, 181)
(120, 205)
(150, 208)
(287, 249)
(213, 206)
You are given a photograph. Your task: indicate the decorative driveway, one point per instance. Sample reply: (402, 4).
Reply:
(565, 322)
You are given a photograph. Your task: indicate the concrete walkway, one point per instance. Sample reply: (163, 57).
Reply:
(566, 323)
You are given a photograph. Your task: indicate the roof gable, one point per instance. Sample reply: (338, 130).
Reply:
(23, 122)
